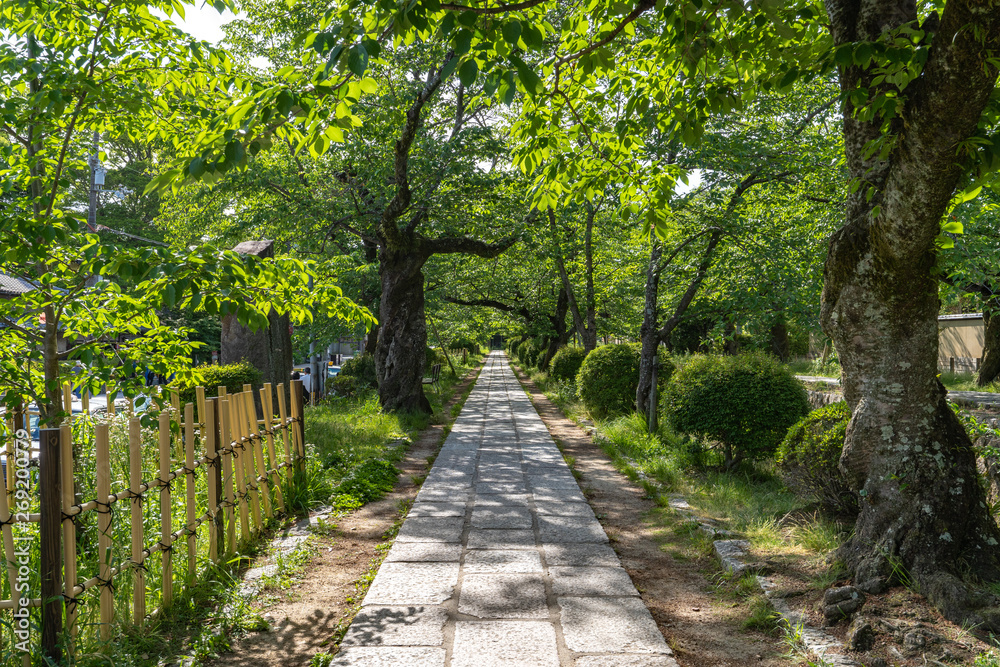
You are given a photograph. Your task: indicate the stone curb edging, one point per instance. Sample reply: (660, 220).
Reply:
(732, 554)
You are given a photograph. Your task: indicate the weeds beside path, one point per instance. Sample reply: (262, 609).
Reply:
(310, 617)
(701, 627)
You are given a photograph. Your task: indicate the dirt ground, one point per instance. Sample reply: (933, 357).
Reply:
(700, 626)
(305, 618)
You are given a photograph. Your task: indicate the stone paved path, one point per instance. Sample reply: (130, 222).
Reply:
(501, 560)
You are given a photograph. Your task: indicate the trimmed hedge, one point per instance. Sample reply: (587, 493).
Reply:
(357, 374)
(565, 364)
(809, 454)
(465, 343)
(745, 402)
(230, 376)
(609, 376)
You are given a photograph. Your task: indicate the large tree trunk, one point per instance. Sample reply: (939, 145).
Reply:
(990, 368)
(779, 339)
(402, 338)
(923, 514)
(561, 333)
(648, 332)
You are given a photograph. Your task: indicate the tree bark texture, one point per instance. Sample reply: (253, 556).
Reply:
(560, 335)
(402, 337)
(648, 333)
(923, 512)
(585, 321)
(989, 369)
(269, 350)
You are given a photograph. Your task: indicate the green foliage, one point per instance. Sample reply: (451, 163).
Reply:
(607, 380)
(609, 377)
(809, 454)
(369, 481)
(430, 358)
(745, 402)
(230, 376)
(357, 375)
(528, 351)
(565, 364)
(465, 343)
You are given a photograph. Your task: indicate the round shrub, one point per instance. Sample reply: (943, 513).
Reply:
(230, 376)
(566, 362)
(609, 376)
(809, 454)
(357, 374)
(745, 402)
(528, 351)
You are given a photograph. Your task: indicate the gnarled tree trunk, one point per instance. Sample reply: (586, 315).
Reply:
(402, 337)
(923, 512)
(990, 368)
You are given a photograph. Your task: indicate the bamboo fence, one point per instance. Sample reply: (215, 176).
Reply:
(243, 458)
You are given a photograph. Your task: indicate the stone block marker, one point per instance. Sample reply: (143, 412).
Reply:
(501, 561)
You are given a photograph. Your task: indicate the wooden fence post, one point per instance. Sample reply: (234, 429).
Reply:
(135, 481)
(258, 455)
(166, 527)
(103, 459)
(298, 411)
(189, 480)
(50, 529)
(213, 474)
(272, 463)
(227, 473)
(69, 527)
(283, 415)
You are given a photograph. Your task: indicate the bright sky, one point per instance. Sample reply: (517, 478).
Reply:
(203, 22)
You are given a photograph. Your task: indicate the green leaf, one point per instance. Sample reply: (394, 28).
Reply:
(953, 227)
(511, 32)
(357, 60)
(468, 72)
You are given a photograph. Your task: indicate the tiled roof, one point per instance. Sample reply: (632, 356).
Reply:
(11, 286)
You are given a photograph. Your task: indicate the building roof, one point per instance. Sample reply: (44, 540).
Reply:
(12, 286)
(960, 316)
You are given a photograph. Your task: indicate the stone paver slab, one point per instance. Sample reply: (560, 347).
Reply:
(591, 581)
(431, 529)
(625, 661)
(594, 555)
(389, 656)
(478, 561)
(610, 625)
(397, 626)
(501, 517)
(437, 509)
(400, 583)
(486, 488)
(426, 552)
(502, 500)
(581, 510)
(506, 643)
(489, 538)
(570, 529)
(503, 596)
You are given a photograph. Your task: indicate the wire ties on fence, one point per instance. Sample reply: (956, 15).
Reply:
(136, 497)
(106, 583)
(165, 547)
(189, 471)
(104, 508)
(10, 520)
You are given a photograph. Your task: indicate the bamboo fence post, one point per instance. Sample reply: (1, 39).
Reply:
(103, 455)
(69, 528)
(213, 477)
(298, 428)
(249, 474)
(272, 463)
(227, 474)
(239, 467)
(50, 538)
(68, 401)
(258, 450)
(111, 402)
(189, 480)
(283, 415)
(135, 480)
(222, 391)
(85, 400)
(166, 527)
(176, 415)
(199, 401)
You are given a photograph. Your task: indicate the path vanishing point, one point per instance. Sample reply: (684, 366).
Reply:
(501, 561)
